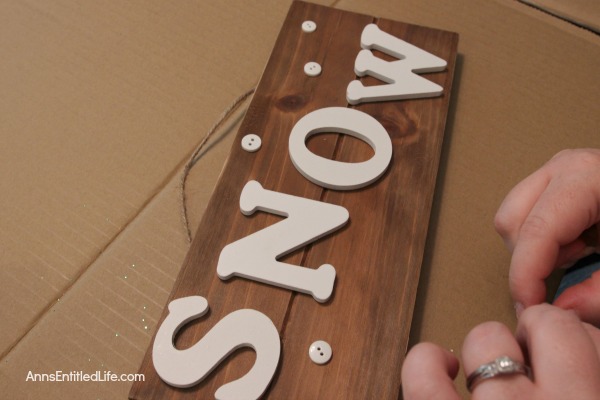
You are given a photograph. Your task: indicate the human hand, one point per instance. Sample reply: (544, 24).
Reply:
(564, 354)
(542, 220)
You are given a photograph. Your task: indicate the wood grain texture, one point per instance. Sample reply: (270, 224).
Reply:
(377, 255)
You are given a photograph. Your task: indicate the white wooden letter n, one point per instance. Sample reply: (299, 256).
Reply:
(255, 256)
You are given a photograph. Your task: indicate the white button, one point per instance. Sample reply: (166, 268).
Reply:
(309, 26)
(320, 352)
(312, 69)
(251, 143)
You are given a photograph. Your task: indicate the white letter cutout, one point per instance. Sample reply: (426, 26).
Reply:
(254, 257)
(336, 174)
(241, 328)
(402, 82)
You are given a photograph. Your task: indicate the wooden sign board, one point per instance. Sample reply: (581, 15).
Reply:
(377, 255)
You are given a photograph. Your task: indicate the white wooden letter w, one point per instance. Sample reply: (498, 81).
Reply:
(400, 76)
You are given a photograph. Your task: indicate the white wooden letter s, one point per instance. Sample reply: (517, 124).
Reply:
(241, 328)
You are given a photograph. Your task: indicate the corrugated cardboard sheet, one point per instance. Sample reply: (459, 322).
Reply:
(102, 104)
(584, 13)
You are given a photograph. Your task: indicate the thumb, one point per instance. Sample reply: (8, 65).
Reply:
(428, 372)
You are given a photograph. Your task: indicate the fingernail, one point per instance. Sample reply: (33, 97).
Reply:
(519, 309)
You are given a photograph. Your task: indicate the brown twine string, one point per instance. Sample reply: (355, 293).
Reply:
(197, 156)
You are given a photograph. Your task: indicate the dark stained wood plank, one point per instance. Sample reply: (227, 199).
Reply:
(377, 255)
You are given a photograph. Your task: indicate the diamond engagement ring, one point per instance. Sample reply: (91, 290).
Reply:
(499, 367)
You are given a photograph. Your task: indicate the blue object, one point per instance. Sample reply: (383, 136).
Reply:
(582, 270)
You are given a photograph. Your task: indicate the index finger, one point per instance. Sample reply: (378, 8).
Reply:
(557, 219)
(517, 205)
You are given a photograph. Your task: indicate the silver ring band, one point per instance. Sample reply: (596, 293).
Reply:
(499, 367)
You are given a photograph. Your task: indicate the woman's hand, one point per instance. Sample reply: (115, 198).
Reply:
(551, 219)
(563, 352)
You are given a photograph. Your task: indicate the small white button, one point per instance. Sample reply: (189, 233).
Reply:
(320, 352)
(309, 26)
(251, 143)
(312, 69)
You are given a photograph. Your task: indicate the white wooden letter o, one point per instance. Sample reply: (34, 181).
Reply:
(333, 174)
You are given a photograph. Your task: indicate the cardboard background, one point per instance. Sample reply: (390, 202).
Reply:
(584, 13)
(102, 104)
